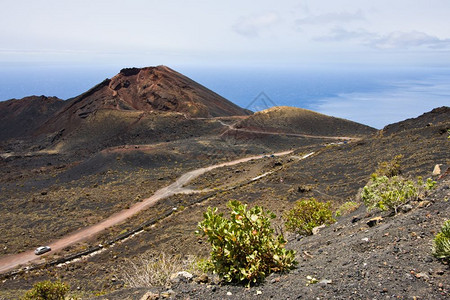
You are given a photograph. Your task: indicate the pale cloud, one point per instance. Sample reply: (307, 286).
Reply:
(214, 32)
(412, 39)
(339, 34)
(391, 40)
(252, 26)
(331, 18)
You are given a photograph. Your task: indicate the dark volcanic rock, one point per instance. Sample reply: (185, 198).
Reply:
(148, 89)
(22, 117)
(434, 117)
(302, 121)
(152, 103)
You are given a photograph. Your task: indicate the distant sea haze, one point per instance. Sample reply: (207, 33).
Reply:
(375, 97)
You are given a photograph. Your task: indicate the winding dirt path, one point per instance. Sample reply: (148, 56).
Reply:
(232, 127)
(12, 261)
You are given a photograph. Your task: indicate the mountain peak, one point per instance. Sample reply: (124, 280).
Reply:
(156, 89)
(151, 89)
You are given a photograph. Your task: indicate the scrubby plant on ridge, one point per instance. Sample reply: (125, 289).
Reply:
(389, 193)
(47, 290)
(307, 214)
(244, 248)
(346, 208)
(388, 190)
(441, 243)
(390, 168)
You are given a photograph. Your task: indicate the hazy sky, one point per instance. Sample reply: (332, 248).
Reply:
(207, 32)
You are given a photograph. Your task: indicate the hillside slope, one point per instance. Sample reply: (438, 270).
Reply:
(397, 250)
(23, 117)
(137, 106)
(109, 157)
(303, 121)
(349, 259)
(437, 116)
(151, 89)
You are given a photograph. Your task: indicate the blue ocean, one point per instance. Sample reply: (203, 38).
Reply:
(372, 96)
(375, 97)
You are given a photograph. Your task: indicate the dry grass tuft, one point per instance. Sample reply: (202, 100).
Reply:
(155, 270)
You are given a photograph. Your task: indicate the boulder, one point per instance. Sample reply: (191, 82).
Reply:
(374, 221)
(437, 170)
(150, 296)
(316, 230)
(181, 276)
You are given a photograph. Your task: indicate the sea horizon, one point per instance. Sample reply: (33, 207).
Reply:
(374, 96)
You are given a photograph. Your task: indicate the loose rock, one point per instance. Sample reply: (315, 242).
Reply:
(422, 275)
(201, 279)
(277, 279)
(437, 170)
(406, 208)
(326, 281)
(374, 221)
(355, 219)
(181, 276)
(423, 204)
(150, 296)
(316, 230)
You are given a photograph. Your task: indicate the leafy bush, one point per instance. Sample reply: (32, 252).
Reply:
(47, 290)
(390, 168)
(441, 243)
(307, 214)
(244, 248)
(388, 193)
(425, 186)
(346, 208)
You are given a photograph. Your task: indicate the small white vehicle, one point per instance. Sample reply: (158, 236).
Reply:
(42, 250)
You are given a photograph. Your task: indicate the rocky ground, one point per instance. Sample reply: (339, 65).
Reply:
(349, 260)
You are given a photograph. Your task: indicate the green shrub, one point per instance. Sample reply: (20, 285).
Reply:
(388, 193)
(390, 168)
(425, 186)
(47, 290)
(307, 214)
(346, 208)
(244, 248)
(441, 243)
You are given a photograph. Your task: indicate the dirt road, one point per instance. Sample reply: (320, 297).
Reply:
(12, 261)
(232, 127)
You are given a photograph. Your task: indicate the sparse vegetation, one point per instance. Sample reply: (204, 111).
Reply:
(51, 194)
(390, 168)
(307, 214)
(387, 193)
(244, 248)
(47, 290)
(304, 188)
(154, 270)
(346, 208)
(441, 243)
